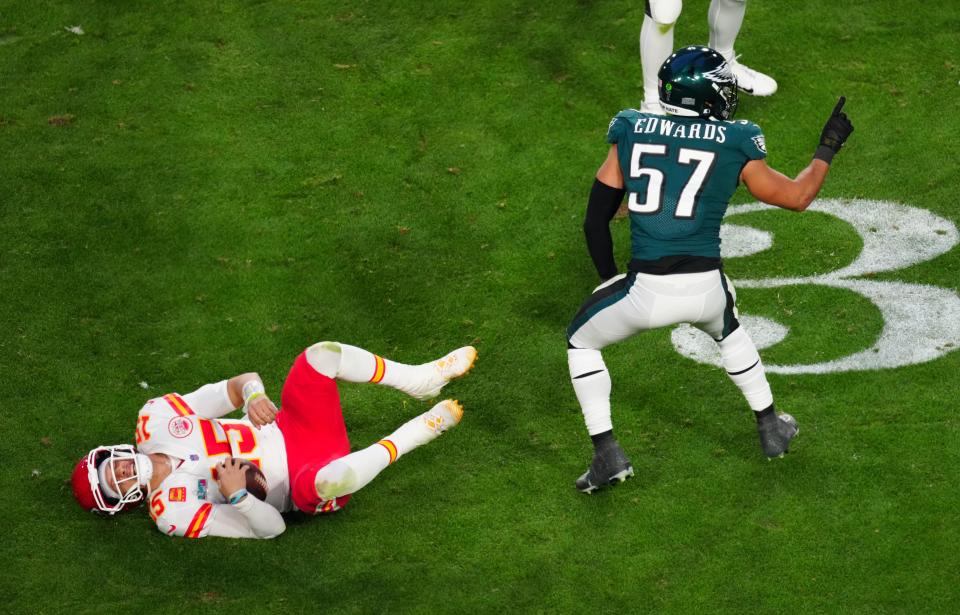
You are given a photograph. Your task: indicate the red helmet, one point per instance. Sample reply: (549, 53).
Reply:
(92, 492)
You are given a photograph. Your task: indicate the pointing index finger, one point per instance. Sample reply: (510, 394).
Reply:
(836, 110)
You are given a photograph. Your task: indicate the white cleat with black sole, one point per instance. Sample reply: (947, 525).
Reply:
(751, 81)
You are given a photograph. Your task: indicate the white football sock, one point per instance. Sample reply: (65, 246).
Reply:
(743, 365)
(656, 45)
(352, 472)
(592, 385)
(725, 18)
(352, 364)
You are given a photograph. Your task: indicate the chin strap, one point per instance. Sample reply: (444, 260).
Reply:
(144, 469)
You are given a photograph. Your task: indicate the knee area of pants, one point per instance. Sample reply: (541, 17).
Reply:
(321, 348)
(665, 12)
(325, 358)
(582, 361)
(334, 479)
(735, 337)
(335, 470)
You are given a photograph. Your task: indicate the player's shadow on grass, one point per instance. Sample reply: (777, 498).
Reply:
(563, 284)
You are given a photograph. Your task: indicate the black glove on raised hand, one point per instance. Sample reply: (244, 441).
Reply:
(834, 134)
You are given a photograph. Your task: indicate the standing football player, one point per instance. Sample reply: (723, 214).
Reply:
(656, 43)
(679, 172)
(186, 462)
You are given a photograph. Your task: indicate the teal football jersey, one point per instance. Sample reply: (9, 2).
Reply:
(680, 173)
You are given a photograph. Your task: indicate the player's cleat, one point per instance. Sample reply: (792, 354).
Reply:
(652, 106)
(752, 81)
(776, 432)
(423, 428)
(442, 416)
(437, 374)
(610, 466)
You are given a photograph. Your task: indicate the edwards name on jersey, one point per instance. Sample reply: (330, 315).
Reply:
(680, 173)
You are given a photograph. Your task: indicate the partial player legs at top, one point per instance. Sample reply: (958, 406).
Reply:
(656, 45)
(352, 364)
(725, 17)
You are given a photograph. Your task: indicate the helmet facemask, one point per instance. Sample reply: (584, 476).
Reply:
(728, 93)
(107, 497)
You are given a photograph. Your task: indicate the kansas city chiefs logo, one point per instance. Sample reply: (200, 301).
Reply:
(180, 427)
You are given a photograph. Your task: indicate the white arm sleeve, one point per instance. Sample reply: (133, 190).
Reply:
(210, 401)
(251, 518)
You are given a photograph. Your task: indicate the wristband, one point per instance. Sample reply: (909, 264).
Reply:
(252, 389)
(824, 153)
(238, 495)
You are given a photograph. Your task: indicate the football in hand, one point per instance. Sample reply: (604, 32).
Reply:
(256, 481)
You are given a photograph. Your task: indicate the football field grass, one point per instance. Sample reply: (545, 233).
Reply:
(189, 191)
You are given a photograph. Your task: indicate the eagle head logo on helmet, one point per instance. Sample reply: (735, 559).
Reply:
(698, 82)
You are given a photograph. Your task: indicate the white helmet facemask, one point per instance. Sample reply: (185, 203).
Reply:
(106, 493)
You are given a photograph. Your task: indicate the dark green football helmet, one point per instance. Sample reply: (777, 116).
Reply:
(697, 81)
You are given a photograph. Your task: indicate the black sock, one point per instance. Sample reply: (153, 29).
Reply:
(765, 413)
(602, 439)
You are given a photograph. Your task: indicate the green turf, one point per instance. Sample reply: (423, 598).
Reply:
(192, 190)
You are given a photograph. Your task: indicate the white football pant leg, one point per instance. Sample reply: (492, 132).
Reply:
(656, 44)
(725, 18)
(325, 358)
(351, 473)
(665, 12)
(714, 314)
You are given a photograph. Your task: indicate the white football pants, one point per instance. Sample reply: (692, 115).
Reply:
(636, 302)
(640, 301)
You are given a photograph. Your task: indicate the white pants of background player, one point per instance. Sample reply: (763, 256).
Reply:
(634, 302)
(656, 44)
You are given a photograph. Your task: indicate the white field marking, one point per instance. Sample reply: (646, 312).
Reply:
(743, 240)
(921, 322)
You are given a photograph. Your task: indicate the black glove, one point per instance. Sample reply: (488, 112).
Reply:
(834, 134)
